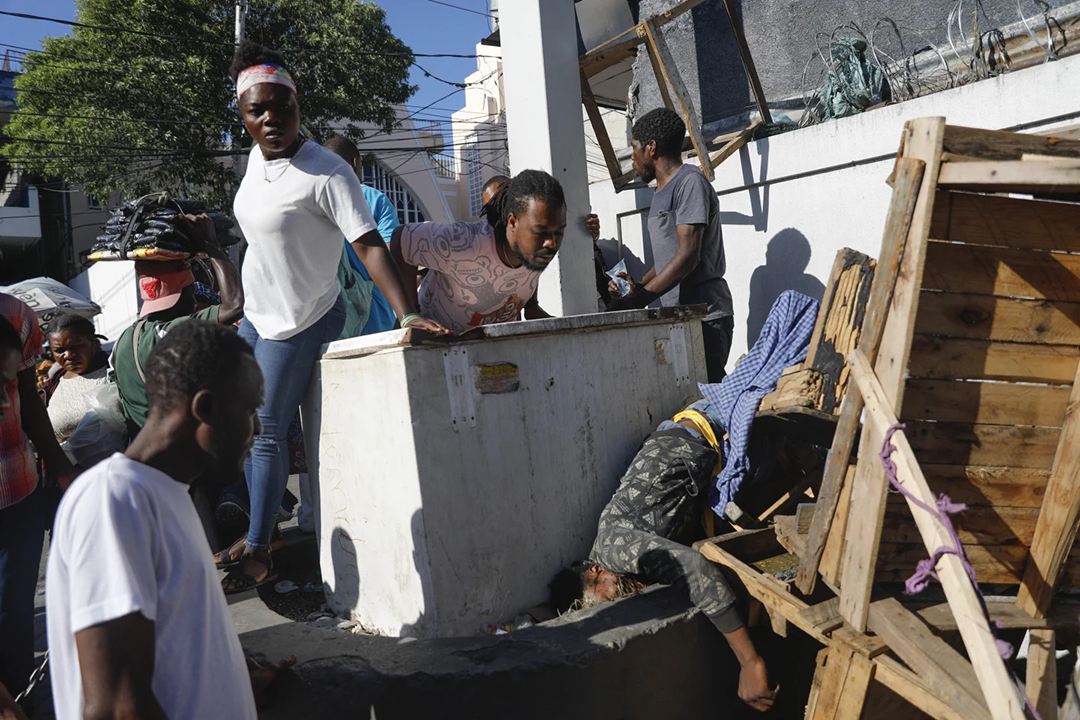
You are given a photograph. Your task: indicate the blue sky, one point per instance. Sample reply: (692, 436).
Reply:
(426, 27)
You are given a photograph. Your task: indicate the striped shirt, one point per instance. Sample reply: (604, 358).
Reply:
(18, 471)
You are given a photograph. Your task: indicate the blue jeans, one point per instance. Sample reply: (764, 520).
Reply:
(22, 532)
(287, 366)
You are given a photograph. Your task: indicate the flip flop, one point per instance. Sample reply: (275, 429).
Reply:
(248, 582)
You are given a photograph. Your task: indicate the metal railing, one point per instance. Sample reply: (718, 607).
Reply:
(445, 165)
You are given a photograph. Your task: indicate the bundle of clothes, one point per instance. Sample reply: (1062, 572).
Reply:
(149, 229)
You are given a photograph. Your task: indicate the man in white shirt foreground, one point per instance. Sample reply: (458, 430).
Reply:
(138, 626)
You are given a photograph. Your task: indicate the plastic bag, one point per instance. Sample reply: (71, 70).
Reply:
(613, 273)
(101, 432)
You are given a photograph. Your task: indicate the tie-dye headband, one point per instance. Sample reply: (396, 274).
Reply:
(267, 73)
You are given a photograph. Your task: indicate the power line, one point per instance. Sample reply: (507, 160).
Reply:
(180, 38)
(458, 7)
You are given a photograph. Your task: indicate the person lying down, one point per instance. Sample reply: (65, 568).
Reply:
(643, 537)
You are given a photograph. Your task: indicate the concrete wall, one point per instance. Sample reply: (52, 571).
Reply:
(783, 36)
(789, 202)
(446, 503)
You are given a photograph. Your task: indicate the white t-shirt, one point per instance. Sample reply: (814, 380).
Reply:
(126, 540)
(294, 227)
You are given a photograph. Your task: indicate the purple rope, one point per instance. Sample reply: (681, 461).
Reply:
(925, 569)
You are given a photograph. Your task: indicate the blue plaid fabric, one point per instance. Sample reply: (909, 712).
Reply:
(783, 342)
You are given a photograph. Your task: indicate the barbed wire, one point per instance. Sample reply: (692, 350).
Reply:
(912, 64)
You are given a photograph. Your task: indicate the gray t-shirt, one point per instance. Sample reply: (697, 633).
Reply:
(688, 199)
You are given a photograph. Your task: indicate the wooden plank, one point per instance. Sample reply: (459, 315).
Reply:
(732, 146)
(974, 627)
(940, 616)
(1002, 145)
(942, 668)
(1004, 272)
(658, 70)
(1059, 518)
(976, 525)
(912, 688)
(983, 486)
(1007, 222)
(907, 179)
(996, 445)
(982, 317)
(1012, 176)
(994, 564)
(832, 556)
(600, 129)
(991, 403)
(769, 591)
(747, 60)
(791, 498)
(958, 359)
(669, 71)
(622, 46)
(844, 313)
(1042, 673)
(825, 616)
(843, 685)
(923, 142)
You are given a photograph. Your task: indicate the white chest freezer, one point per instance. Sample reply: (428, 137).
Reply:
(452, 481)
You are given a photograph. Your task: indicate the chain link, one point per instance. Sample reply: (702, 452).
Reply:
(35, 678)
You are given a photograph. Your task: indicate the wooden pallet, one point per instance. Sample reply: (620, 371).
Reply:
(973, 344)
(672, 88)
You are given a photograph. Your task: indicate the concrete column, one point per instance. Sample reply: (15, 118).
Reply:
(545, 131)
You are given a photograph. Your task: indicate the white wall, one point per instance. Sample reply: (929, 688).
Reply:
(113, 286)
(21, 226)
(823, 188)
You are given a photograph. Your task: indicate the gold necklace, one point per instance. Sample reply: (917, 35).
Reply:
(288, 165)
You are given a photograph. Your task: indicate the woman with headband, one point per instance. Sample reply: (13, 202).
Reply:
(296, 202)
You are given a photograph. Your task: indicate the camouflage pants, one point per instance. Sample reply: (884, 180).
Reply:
(658, 503)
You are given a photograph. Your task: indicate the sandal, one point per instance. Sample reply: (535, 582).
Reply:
(232, 555)
(241, 581)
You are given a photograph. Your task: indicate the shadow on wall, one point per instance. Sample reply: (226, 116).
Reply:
(421, 627)
(786, 258)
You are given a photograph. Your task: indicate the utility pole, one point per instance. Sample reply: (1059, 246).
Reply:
(241, 19)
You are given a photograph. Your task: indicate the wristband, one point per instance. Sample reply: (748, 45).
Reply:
(404, 322)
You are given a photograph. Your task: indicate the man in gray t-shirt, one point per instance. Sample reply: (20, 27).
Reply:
(684, 231)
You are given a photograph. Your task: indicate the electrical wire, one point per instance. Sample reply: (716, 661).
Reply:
(180, 38)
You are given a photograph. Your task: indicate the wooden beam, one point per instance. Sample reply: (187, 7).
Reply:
(1012, 176)
(845, 678)
(911, 687)
(623, 45)
(1056, 528)
(941, 667)
(922, 142)
(600, 129)
(996, 683)
(667, 71)
(1001, 145)
(747, 60)
(1042, 673)
(907, 180)
(732, 146)
(767, 589)
(658, 73)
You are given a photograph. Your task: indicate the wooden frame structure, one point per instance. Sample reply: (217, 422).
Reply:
(649, 34)
(972, 338)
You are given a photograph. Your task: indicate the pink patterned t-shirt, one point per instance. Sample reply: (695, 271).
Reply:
(467, 285)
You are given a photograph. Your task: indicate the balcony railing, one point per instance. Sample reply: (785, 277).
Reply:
(445, 165)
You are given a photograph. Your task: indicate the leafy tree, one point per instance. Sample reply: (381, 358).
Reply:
(154, 109)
